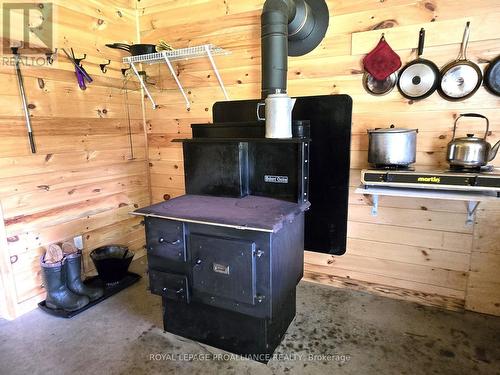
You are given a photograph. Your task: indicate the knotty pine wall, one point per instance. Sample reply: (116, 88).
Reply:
(416, 249)
(81, 181)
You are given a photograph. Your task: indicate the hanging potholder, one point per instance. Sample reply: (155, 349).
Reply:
(382, 61)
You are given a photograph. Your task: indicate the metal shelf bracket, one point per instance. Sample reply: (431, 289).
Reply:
(471, 199)
(143, 84)
(471, 212)
(375, 205)
(207, 50)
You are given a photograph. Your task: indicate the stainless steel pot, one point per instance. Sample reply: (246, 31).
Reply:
(392, 147)
(471, 151)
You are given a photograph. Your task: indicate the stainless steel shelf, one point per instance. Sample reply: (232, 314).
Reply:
(206, 50)
(472, 198)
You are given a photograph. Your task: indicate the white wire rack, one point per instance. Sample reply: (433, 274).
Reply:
(206, 50)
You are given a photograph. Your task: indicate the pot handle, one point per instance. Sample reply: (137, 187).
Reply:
(465, 43)
(421, 42)
(477, 115)
(122, 46)
(259, 105)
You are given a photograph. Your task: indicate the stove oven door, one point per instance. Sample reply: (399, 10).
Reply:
(224, 270)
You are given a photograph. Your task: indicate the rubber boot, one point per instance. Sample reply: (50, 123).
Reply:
(74, 281)
(58, 294)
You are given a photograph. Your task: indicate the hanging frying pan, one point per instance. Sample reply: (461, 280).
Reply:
(460, 79)
(420, 77)
(379, 87)
(492, 77)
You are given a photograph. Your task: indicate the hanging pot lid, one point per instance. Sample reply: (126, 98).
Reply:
(460, 81)
(461, 78)
(379, 87)
(492, 77)
(419, 78)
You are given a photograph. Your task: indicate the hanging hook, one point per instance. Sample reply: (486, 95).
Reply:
(104, 68)
(78, 61)
(50, 56)
(124, 70)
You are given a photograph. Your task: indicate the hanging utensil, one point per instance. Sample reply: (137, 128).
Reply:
(461, 78)
(382, 61)
(78, 67)
(492, 77)
(132, 156)
(22, 92)
(79, 75)
(420, 77)
(379, 87)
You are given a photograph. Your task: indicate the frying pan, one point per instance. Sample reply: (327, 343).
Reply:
(379, 87)
(492, 77)
(460, 79)
(419, 78)
(134, 49)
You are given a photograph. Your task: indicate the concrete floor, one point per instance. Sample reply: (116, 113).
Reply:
(335, 331)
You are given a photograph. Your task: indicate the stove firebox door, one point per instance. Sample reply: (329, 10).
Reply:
(224, 271)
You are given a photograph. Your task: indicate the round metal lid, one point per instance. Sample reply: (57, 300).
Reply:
(392, 130)
(471, 138)
(377, 87)
(417, 80)
(459, 81)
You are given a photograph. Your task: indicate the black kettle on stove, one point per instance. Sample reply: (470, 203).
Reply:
(471, 151)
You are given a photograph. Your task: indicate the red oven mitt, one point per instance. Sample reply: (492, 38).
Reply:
(382, 61)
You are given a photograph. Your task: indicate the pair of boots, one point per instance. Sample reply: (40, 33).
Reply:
(64, 286)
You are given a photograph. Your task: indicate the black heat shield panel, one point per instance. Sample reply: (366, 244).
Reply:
(331, 119)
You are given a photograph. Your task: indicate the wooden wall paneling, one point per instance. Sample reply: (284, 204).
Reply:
(22, 241)
(8, 308)
(83, 180)
(483, 289)
(387, 289)
(418, 249)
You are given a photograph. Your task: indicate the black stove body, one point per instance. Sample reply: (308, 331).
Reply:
(226, 268)
(227, 257)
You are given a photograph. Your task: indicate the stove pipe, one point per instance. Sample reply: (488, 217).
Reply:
(301, 23)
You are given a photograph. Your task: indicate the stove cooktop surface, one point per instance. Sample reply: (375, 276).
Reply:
(440, 179)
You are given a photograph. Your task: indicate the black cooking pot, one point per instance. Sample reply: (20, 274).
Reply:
(134, 49)
(112, 262)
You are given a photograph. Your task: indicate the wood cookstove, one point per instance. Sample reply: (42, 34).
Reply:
(226, 257)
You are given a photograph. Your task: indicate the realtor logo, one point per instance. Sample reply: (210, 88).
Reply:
(27, 25)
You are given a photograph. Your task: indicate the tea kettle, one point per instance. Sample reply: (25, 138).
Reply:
(471, 151)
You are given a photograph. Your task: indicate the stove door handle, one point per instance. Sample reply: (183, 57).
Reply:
(162, 240)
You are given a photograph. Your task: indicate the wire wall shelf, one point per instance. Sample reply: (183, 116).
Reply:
(167, 57)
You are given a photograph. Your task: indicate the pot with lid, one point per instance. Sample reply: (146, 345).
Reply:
(471, 151)
(392, 147)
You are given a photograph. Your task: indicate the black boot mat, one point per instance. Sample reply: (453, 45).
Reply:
(95, 281)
